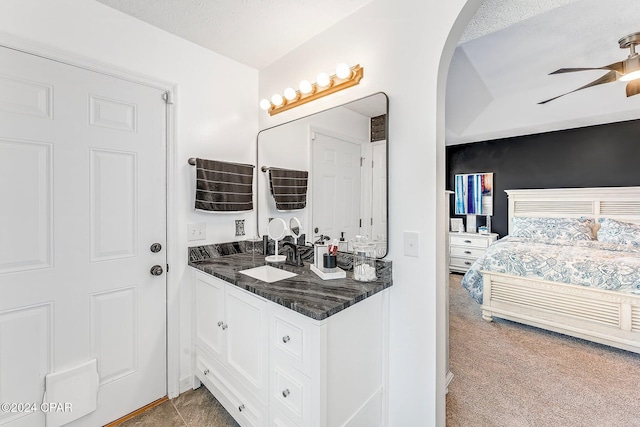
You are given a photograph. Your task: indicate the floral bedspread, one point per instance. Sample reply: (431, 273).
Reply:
(587, 263)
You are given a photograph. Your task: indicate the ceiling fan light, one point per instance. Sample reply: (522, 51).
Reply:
(631, 76)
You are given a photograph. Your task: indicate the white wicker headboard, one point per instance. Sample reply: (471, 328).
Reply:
(621, 203)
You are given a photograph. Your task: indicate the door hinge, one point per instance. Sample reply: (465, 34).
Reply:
(361, 222)
(167, 268)
(371, 224)
(168, 98)
(361, 161)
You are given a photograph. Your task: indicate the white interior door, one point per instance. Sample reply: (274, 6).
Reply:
(336, 186)
(82, 199)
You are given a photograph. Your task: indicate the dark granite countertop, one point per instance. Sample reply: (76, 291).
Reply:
(305, 293)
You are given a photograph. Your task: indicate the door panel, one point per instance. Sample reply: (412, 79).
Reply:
(336, 186)
(26, 201)
(82, 164)
(209, 306)
(114, 204)
(25, 340)
(247, 338)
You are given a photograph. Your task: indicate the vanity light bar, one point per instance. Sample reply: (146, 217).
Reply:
(344, 77)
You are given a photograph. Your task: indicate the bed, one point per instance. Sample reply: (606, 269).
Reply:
(536, 292)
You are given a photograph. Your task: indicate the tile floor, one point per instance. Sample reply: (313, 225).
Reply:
(194, 408)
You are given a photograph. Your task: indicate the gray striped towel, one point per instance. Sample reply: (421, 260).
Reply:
(222, 186)
(289, 188)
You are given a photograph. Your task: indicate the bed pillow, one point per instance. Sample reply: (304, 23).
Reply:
(620, 233)
(553, 228)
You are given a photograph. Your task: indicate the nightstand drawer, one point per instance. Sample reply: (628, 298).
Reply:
(470, 241)
(468, 252)
(461, 263)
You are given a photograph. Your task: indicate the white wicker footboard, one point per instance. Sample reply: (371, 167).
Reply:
(606, 317)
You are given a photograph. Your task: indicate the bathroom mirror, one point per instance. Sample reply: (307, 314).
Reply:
(344, 150)
(295, 227)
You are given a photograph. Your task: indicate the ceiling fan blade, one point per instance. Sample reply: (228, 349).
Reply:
(616, 66)
(633, 88)
(611, 76)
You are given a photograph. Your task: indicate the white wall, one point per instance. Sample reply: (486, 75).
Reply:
(216, 104)
(400, 44)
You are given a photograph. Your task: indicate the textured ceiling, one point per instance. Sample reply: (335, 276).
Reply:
(252, 32)
(495, 15)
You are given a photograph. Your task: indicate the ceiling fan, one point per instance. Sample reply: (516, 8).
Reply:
(627, 70)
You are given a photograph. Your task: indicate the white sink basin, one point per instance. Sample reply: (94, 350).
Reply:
(268, 274)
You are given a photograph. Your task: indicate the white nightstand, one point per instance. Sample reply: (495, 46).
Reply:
(465, 248)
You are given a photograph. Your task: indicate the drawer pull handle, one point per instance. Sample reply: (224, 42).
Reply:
(241, 407)
(467, 263)
(467, 252)
(206, 371)
(467, 241)
(286, 339)
(224, 326)
(286, 393)
(220, 323)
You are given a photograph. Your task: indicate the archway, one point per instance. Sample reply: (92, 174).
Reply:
(442, 274)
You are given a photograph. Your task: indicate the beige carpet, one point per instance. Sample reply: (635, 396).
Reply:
(511, 375)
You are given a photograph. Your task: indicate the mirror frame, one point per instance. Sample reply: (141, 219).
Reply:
(386, 128)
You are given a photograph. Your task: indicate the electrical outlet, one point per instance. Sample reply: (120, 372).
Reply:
(411, 243)
(197, 231)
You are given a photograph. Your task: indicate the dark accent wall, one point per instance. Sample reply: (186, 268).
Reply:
(596, 156)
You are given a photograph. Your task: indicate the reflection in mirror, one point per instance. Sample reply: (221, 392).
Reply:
(295, 227)
(344, 150)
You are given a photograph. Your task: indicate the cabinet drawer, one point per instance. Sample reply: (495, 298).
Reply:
(469, 241)
(243, 407)
(291, 340)
(278, 419)
(469, 252)
(460, 263)
(291, 394)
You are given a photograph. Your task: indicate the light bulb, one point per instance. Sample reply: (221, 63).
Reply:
(323, 80)
(305, 87)
(265, 104)
(630, 76)
(277, 100)
(343, 71)
(290, 93)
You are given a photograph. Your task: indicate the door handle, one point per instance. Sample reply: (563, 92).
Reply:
(155, 248)
(156, 270)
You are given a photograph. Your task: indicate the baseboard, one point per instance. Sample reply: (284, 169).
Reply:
(137, 412)
(189, 382)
